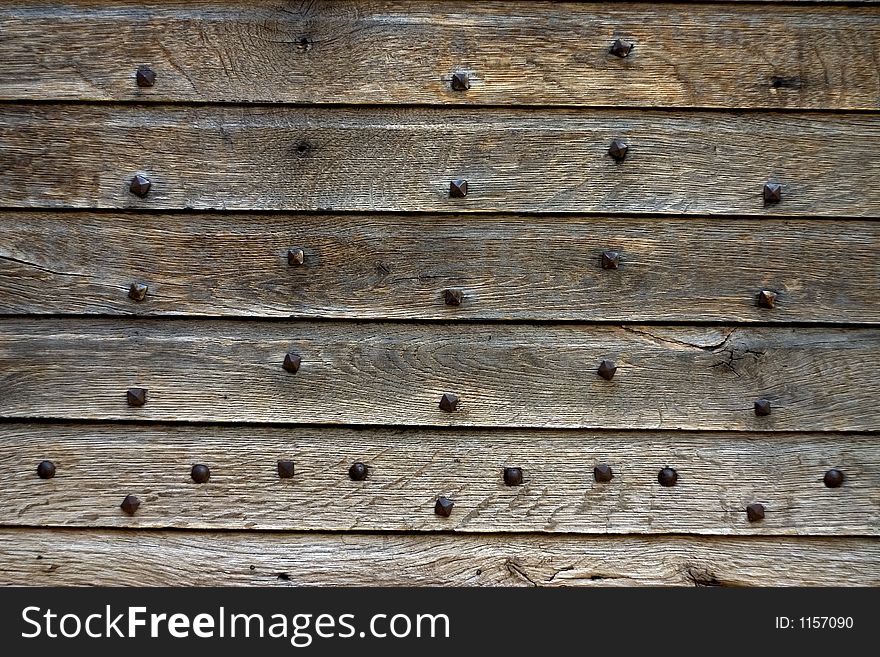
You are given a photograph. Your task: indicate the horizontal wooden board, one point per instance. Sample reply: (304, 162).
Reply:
(718, 476)
(685, 377)
(405, 51)
(59, 557)
(397, 267)
(392, 159)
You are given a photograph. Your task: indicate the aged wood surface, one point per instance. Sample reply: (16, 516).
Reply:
(393, 159)
(718, 476)
(396, 267)
(66, 557)
(532, 53)
(820, 379)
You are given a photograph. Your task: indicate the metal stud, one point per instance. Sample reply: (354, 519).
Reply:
(200, 473)
(461, 81)
(833, 478)
(667, 477)
(46, 470)
(285, 469)
(606, 370)
(140, 186)
(291, 363)
(762, 407)
(145, 76)
(443, 506)
(755, 512)
(137, 291)
(618, 150)
(449, 402)
(610, 259)
(603, 473)
(357, 471)
(767, 299)
(458, 188)
(136, 396)
(453, 297)
(130, 504)
(295, 257)
(513, 476)
(621, 48)
(772, 192)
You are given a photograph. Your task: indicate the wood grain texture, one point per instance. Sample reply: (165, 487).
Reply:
(396, 267)
(391, 159)
(532, 53)
(145, 558)
(506, 375)
(718, 476)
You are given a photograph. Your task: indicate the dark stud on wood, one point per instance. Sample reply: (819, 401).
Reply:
(291, 363)
(357, 471)
(449, 402)
(46, 470)
(285, 469)
(443, 507)
(833, 478)
(295, 257)
(137, 292)
(667, 477)
(755, 512)
(458, 188)
(200, 473)
(603, 473)
(453, 297)
(140, 186)
(136, 396)
(513, 476)
(145, 76)
(772, 193)
(610, 259)
(606, 370)
(130, 504)
(767, 299)
(621, 48)
(618, 150)
(461, 81)
(762, 407)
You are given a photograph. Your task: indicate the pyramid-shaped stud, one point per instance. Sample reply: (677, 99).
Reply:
(620, 48)
(291, 363)
(618, 150)
(145, 77)
(130, 504)
(610, 259)
(772, 192)
(458, 188)
(285, 469)
(136, 396)
(606, 370)
(449, 402)
(137, 292)
(461, 81)
(140, 186)
(767, 299)
(453, 297)
(755, 512)
(295, 257)
(443, 507)
(762, 407)
(603, 473)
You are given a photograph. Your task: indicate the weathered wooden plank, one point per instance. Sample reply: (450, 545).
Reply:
(244, 158)
(148, 558)
(506, 375)
(397, 266)
(718, 476)
(532, 53)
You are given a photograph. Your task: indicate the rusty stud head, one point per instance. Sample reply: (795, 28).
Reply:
(200, 473)
(667, 477)
(461, 81)
(772, 192)
(620, 48)
(617, 150)
(513, 476)
(285, 469)
(602, 473)
(449, 402)
(458, 188)
(295, 257)
(136, 396)
(762, 407)
(443, 507)
(145, 76)
(291, 363)
(453, 297)
(357, 471)
(755, 512)
(610, 259)
(833, 478)
(140, 186)
(130, 504)
(767, 299)
(606, 370)
(137, 291)
(46, 470)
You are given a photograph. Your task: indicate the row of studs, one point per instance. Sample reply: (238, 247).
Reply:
(513, 476)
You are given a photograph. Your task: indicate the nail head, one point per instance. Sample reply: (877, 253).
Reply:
(458, 188)
(610, 259)
(667, 477)
(621, 48)
(46, 470)
(130, 504)
(137, 291)
(453, 296)
(357, 471)
(145, 76)
(767, 299)
(618, 150)
(296, 257)
(292, 363)
(136, 396)
(285, 469)
(755, 512)
(140, 186)
(762, 407)
(513, 476)
(449, 402)
(461, 81)
(443, 506)
(772, 192)
(606, 370)
(833, 478)
(603, 473)
(200, 473)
